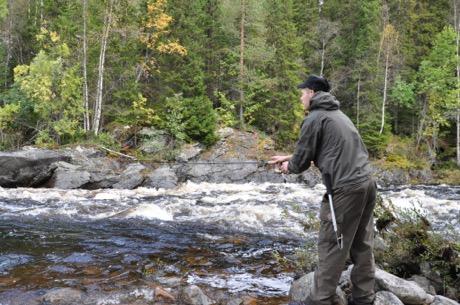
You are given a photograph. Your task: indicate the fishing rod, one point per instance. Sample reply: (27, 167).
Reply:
(260, 163)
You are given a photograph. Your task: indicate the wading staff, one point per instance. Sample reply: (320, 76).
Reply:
(327, 180)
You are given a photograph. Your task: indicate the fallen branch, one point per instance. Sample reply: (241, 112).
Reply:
(118, 153)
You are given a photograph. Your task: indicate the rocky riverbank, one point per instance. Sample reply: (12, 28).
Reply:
(234, 159)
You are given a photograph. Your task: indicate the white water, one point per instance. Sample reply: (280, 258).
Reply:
(276, 210)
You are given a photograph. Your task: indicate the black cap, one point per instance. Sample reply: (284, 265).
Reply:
(315, 83)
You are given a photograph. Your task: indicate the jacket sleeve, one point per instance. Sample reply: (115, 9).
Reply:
(308, 144)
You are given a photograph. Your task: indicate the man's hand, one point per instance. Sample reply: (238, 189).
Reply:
(284, 167)
(279, 159)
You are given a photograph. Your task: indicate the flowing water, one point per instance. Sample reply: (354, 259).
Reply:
(110, 243)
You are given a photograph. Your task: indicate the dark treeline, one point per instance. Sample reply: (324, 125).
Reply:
(74, 70)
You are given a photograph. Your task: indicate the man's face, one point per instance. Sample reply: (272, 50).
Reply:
(307, 94)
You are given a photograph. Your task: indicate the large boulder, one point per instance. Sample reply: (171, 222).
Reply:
(28, 167)
(163, 177)
(69, 176)
(424, 283)
(131, 177)
(386, 298)
(408, 292)
(301, 289)
(440, 300)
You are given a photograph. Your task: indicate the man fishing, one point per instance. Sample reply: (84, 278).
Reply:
(329, 139)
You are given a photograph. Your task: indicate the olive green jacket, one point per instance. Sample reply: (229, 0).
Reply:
(332, 142)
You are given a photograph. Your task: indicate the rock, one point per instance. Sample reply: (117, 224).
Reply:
(131, 177)
(163, 177)
(10, 261)
(188, 152)
(236, 301)
(69, 176)
(380, 244)
(153, 140)
(311, 177)
(424, 283)
(28, 167)
(391, 177)
(193, 295)
(225, 132)
(345, 279)
(386, 298)
(440, 300)
(78, 258)
(301, 289)
(408, 292)
(226, 171)
(21, 297)
(63, 296)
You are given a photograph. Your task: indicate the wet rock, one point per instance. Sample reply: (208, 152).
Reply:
(193, 295)
(131, 177)
(61, 269)
(408, 292)
(28, 167)
(21, 297)
(69, 176)
(424, 283)
(386, 298)
(63, 296)
(440, 300)
(163, 177)
(301, 289)
(9, 261)
(161, 293)
(131, 259)
(78, 258)
(236, 301)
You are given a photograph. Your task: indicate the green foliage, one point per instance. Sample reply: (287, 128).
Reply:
(226, 114)
(438, 82)
(375, 142)
(403, 93)
(189, 119)
(55, 94)
(410, 243)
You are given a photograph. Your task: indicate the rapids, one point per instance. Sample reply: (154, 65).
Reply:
(222, 236)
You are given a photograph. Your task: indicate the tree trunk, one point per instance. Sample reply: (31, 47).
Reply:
(422, 121)
(243, 12)
(323, 50)
(100, 78)
(457, 41)
(385, 91)
(357, 101)
(8, 43)
(86, 119)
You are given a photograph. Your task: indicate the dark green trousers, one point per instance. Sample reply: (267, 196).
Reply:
(353, 207)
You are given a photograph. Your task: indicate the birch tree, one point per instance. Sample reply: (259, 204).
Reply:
(100, 70)
(86, 120)
(241, 73)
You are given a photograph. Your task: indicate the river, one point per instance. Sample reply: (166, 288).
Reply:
(222, 237)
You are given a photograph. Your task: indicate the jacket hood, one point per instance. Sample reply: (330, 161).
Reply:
(325, 101)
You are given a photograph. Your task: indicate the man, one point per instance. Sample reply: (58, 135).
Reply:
(329, 139)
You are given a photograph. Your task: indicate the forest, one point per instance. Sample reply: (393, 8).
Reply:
(79, 71)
